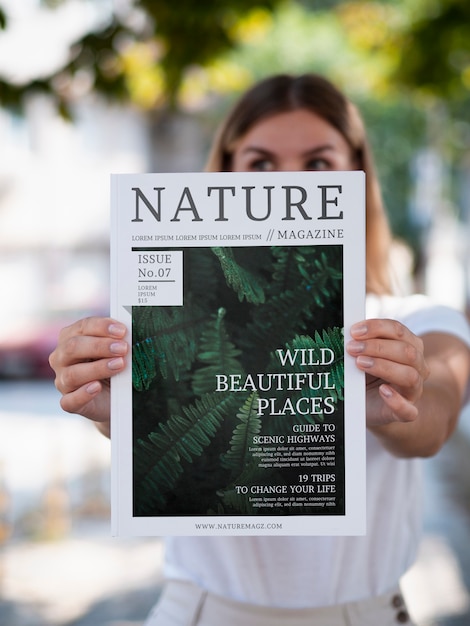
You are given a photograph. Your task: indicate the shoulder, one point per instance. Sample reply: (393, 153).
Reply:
(420, 314)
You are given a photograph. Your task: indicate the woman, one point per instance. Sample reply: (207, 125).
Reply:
(417, 360)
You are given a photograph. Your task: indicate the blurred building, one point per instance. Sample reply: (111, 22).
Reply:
(54, 205)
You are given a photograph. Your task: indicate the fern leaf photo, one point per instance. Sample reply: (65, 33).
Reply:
(220, 382)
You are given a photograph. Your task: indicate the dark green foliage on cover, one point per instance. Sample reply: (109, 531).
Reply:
(218, 355)
(332, 339)
(304, 295)
(238, 457)
(161, 348)
(159, 462)
(238, 278)
(192, 436)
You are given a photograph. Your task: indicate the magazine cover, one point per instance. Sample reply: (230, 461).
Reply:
(239, 412)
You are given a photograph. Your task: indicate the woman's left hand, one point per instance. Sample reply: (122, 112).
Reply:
(393, 359)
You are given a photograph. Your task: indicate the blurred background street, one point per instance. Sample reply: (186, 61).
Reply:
(58, 561)
(89, 88)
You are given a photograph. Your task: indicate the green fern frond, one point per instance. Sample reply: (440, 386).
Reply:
(318, 271)
(144, 363)
(328, 278)
(286, 268)
(333, 338)
(238, 456)
(304, 295)
(242, 281)
(165, 340)
(158, 459)
(219, 354)
(281, 317)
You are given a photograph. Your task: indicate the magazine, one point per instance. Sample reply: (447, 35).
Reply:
(239, 412)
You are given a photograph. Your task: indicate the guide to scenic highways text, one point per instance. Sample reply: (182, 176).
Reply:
(239, 412)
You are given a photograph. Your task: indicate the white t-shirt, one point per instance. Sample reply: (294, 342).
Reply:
(318, 571)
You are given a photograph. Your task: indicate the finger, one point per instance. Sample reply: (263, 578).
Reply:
(386, 329)
(406, 379)
(394, 350)
(77, 400)
(72, 344)
(76, 349)
(94, 327)
(74, 377)
(402, 410)
(92, 401)
(89, 338)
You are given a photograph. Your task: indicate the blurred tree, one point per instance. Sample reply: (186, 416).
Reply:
(421, 49)
(435, 49)
(143, 42)
(392, 58)
(150, 51)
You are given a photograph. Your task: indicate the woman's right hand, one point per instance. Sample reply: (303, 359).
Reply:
(88, 353)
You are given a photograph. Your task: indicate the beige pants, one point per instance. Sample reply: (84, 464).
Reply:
(184, 604)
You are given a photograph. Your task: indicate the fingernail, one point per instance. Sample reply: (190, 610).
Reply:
(358, 329)
(117, 330)
(116, 364)
(365, 361)
(356, 346)
(386, 391)
(118, 347)
(92, 388)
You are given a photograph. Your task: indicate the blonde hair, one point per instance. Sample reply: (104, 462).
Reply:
(281, 93)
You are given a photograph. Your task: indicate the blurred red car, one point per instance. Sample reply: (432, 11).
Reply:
(25, 347)
(24, 351)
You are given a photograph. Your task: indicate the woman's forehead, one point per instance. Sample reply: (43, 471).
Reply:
(300, 128)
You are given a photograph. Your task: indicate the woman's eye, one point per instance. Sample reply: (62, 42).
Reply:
(262, 165)
(318, 164)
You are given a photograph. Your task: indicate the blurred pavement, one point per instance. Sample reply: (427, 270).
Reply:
(59, 566)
